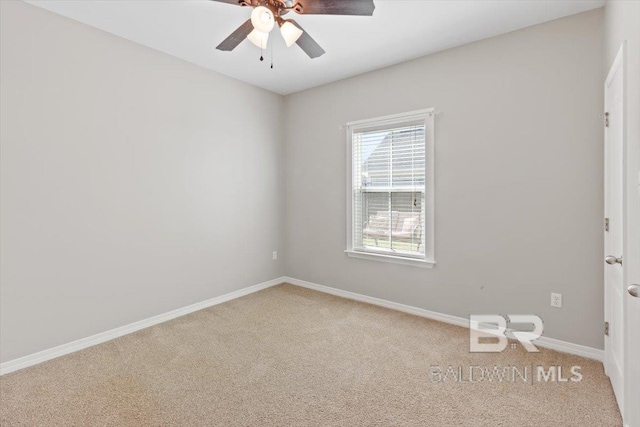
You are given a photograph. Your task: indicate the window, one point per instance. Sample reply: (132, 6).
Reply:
(390, 181)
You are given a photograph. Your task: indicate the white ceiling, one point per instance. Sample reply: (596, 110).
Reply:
(398, 31)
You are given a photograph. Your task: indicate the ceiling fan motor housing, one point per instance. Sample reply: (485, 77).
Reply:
(257, 28)
(278, 7)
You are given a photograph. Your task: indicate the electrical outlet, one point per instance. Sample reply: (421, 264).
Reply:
(275, 255)
(556, 300)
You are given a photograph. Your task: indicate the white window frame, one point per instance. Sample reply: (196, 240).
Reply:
(427, 117)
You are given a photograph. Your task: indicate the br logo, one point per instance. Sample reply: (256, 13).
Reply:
(488, 332)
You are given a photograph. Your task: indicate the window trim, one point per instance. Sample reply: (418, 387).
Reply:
(425, 116)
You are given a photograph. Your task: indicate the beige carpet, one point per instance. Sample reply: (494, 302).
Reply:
(288, 356)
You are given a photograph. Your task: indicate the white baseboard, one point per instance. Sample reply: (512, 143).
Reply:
(571, 348)
(454, 320)
(550, 343)
(61, 350)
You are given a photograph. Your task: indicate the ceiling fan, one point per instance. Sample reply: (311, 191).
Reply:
(266, 13)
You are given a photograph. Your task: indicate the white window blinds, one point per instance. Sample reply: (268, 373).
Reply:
(389, 205)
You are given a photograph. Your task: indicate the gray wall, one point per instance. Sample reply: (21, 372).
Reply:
(518, 178)
(132, 183)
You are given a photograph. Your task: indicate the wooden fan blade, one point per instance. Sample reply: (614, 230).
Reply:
(236, 37)
(307, 43)
(237, 2)
(335, 7)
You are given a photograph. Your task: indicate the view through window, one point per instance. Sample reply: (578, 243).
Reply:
(389, 173)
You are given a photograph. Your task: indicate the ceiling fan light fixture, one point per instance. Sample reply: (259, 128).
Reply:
(262, 19)
(259, 38)
(290, 33)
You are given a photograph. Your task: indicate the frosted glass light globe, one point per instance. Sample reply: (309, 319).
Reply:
(259, 38)
(290, 33)
(262, 19)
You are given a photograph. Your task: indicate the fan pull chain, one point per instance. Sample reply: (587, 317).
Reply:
(261, 43)
(272, 55)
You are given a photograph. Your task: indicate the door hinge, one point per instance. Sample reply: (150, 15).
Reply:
(606, 224)
(606, 329)
(606, 120)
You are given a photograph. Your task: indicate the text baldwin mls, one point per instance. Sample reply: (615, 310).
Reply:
(509, 373)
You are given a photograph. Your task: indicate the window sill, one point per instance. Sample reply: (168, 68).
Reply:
(392, 259)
